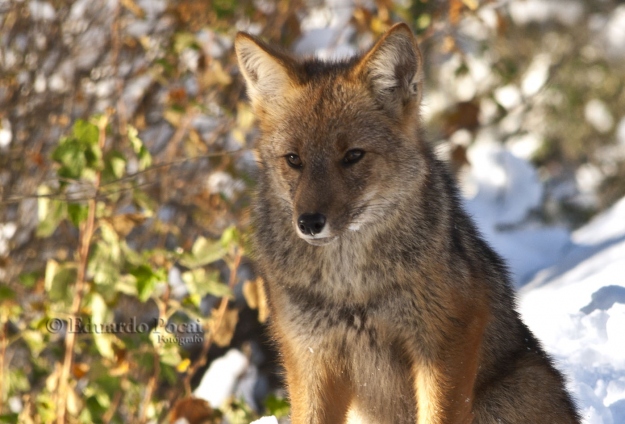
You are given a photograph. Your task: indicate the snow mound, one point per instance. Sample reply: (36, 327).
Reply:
(501, 190)
(577, 308)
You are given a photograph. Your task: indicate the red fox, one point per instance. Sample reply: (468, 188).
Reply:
(386, 304)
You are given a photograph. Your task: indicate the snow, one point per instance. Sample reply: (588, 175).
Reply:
(614, 33)
(597, 114)
(508, 96)
(41, 11)
(219, 381)
(536, 75)
(566, 12)
(577, 308)
(620, 132)
(572, 292)
(266, 420)
(501, 190)
(5, 133)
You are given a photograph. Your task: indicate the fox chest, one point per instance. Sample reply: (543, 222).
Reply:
(340, 326)
(366, 345)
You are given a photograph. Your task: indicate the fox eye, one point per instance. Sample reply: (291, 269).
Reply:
(294, 161)
(353, 156)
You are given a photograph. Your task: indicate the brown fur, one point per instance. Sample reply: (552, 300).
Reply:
(397, 311)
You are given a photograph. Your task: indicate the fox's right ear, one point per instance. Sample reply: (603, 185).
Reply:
(266, 70)
(393, 70)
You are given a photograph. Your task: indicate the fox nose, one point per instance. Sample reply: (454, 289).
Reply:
(311, 223)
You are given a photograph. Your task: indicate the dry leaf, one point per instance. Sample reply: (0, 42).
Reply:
(250, 293)
(471, 4)
(254, 294)
(123, 224)
(455, 8)
(216, 75)
(121, 369)
(193, 411)
(80, 369)
(183, 366)
(223, 334)
(134, 8)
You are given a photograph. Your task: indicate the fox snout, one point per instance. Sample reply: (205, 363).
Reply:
(311, 223)
(314, 227)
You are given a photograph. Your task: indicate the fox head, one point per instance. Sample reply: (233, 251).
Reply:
(339, 143)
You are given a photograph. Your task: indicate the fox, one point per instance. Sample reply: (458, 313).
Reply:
(386, 304)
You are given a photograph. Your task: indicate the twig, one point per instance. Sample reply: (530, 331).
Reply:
(70, 197)
(108, 416)
(86, 234)
(119, 83)
(149, 390)
(4, 326)
(221, 311)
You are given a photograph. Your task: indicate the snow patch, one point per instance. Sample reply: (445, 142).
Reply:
(597, 114)
(220, 379)
(577, 308)
(266, 420)
(565, 12)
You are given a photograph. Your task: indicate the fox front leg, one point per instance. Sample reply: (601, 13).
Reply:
(316, 396)
(445, 386)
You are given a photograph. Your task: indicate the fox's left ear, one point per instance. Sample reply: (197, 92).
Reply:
(268, 72)
(393, 69)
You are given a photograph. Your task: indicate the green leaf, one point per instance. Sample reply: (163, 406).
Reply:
(170, 354)
(114, 166)
(106, 260)
(104, 265)
(18, 381)
(230, 235)
(34, 340)
(101, 315)
(200, 283)
(85, 131)
(146, 280)
(8, 418)
(203, 252)
(93, 156)
(50, 212)
(168, 374)
(224, 8)
(6, 293)
(145, 159)
(29, 279)
(80, 154)
(100, 312)
(239, 412)
(45, 406)
(104, 344)
(185, 40)
(77, 213)
(126, 284)
(70, 154)
(93, 411)
(133, 137)
(58, 280)
(277, 406)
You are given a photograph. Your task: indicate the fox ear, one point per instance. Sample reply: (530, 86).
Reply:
(266, 71)
(393, 69)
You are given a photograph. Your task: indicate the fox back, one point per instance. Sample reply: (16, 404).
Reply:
(386, 304)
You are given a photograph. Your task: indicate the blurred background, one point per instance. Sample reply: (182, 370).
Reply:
(126, 167)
